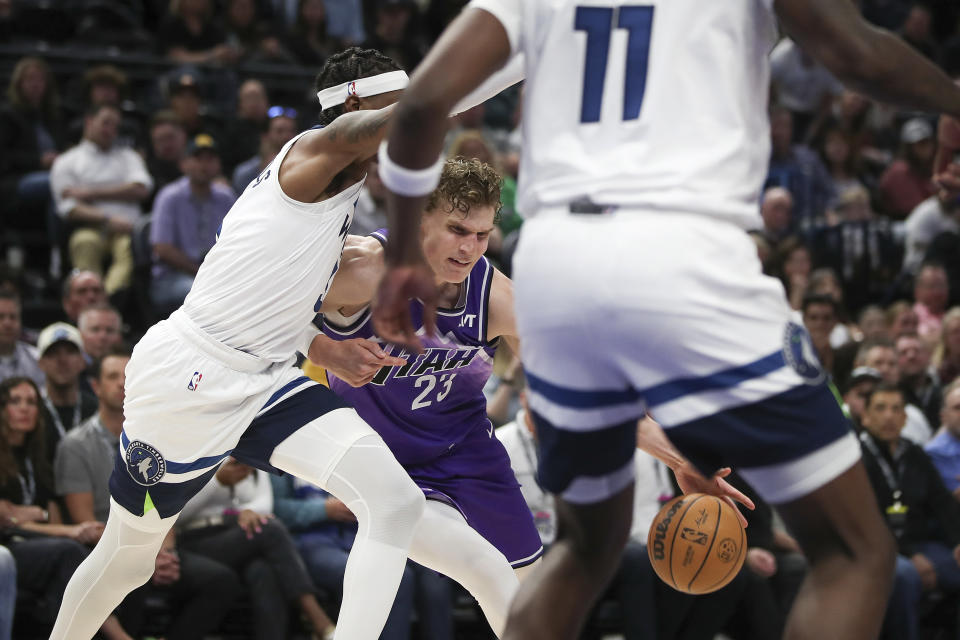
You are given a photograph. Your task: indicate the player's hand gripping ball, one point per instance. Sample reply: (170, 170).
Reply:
(696, 543)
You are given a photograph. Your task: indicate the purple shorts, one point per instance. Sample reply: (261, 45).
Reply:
(475, 478)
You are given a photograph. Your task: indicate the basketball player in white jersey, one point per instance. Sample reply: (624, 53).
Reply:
(645, 146)
(216, 379)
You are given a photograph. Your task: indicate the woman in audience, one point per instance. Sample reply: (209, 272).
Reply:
(46, 551)
(839, 157)
(794, 269)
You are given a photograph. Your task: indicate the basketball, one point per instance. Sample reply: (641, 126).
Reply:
(696, 543)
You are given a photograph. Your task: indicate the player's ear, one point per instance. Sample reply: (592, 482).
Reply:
(352, 103)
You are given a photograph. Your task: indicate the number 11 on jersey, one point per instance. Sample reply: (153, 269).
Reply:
(598, 23)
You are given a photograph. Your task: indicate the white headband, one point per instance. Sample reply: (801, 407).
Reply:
(362, 88)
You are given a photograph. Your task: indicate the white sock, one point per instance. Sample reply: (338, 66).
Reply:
(123, 560)
(445, 543)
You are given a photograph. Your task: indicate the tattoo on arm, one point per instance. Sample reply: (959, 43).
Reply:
(362, 129)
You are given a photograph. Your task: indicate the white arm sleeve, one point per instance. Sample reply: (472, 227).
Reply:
(510, 74)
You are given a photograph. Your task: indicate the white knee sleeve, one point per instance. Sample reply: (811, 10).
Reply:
(123, 560)
(344, 456)
(445, 543)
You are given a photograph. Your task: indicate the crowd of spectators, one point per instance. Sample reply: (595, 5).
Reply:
(113, 187)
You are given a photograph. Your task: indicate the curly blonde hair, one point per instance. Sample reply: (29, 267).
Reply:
(466, 183)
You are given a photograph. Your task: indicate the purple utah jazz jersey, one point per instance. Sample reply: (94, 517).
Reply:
(425, 408)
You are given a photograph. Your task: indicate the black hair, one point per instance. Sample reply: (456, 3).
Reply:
(886, 387)
(350, 64)
(819, 298)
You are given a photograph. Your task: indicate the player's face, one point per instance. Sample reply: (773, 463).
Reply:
(452, 243)
(109, 386)
(20, 412)
(884, 416)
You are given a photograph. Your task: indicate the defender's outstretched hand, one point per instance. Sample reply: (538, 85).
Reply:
(355, 361)
(391, 307)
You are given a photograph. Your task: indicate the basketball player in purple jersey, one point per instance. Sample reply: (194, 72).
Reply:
(431, 411)
(635, 220)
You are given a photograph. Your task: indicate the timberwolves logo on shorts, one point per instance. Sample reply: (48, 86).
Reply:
(799, 354)
(144, 463)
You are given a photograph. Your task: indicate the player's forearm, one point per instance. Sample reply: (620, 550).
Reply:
(416, 142)
(321, 350)
(892, 71)
(358, 134)
(652, 439)
(868, 59)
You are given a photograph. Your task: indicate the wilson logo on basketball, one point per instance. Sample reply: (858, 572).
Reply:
(661, 530)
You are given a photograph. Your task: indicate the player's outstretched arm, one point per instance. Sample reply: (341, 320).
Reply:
(472, 48)
(355, 361)
(320, 155)
(866, 58)
(361, 267)
(652, 439)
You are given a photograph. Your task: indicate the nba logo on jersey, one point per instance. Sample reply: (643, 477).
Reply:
(194, 381)
(352, 89)
(144, 463)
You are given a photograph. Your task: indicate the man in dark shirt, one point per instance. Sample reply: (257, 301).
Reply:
(920, 511)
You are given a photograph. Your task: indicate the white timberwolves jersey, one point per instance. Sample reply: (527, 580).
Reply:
(259, 287)
(660, 104)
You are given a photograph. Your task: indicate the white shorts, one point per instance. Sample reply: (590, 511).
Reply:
(191, 402)
(635, 311)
